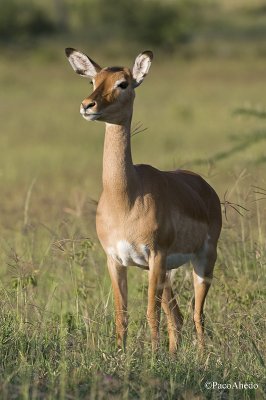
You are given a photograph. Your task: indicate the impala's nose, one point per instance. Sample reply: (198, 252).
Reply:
(90, 105)
(86, 106)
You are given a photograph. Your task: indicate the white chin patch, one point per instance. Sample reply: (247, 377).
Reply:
(92, 117)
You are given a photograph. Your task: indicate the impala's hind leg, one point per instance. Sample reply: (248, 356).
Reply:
(202, 277)
(173, 315)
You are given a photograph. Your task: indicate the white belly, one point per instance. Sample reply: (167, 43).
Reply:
(127, 254)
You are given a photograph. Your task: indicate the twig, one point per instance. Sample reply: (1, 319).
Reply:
(259, 191)
(138, 129)
(257, 187)
(226, 203)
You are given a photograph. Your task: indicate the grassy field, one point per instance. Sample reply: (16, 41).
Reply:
(56, 317)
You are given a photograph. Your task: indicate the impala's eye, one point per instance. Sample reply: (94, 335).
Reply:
(91, 83)
(123, 85)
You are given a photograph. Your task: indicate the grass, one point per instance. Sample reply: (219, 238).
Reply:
(56, 329)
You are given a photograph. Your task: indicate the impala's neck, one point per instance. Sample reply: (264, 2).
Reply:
(119, 175)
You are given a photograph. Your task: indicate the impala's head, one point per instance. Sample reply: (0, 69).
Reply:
(113, 87)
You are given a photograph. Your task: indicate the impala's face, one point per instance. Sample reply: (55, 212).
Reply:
(112, 98)
(113, 88)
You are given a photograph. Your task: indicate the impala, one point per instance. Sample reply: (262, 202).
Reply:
(148, 218)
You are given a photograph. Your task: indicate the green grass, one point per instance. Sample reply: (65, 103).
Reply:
(57, 330)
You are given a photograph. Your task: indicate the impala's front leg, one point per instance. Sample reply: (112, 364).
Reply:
(118, 276)
(157, 275)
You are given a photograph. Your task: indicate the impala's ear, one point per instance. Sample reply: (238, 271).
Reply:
(141, 67)
(81, 63)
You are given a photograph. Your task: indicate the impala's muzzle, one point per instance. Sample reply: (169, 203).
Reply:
(87, 106)
(88, 109)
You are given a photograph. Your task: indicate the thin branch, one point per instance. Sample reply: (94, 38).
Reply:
(259, 188)
(138, 129)
(226, 203)
(264, 194)
(260, 191)
(260, 198)
(234, 208)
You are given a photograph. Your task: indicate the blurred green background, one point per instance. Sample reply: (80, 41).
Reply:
(164, 24)
(204, 107)
(195, 26)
